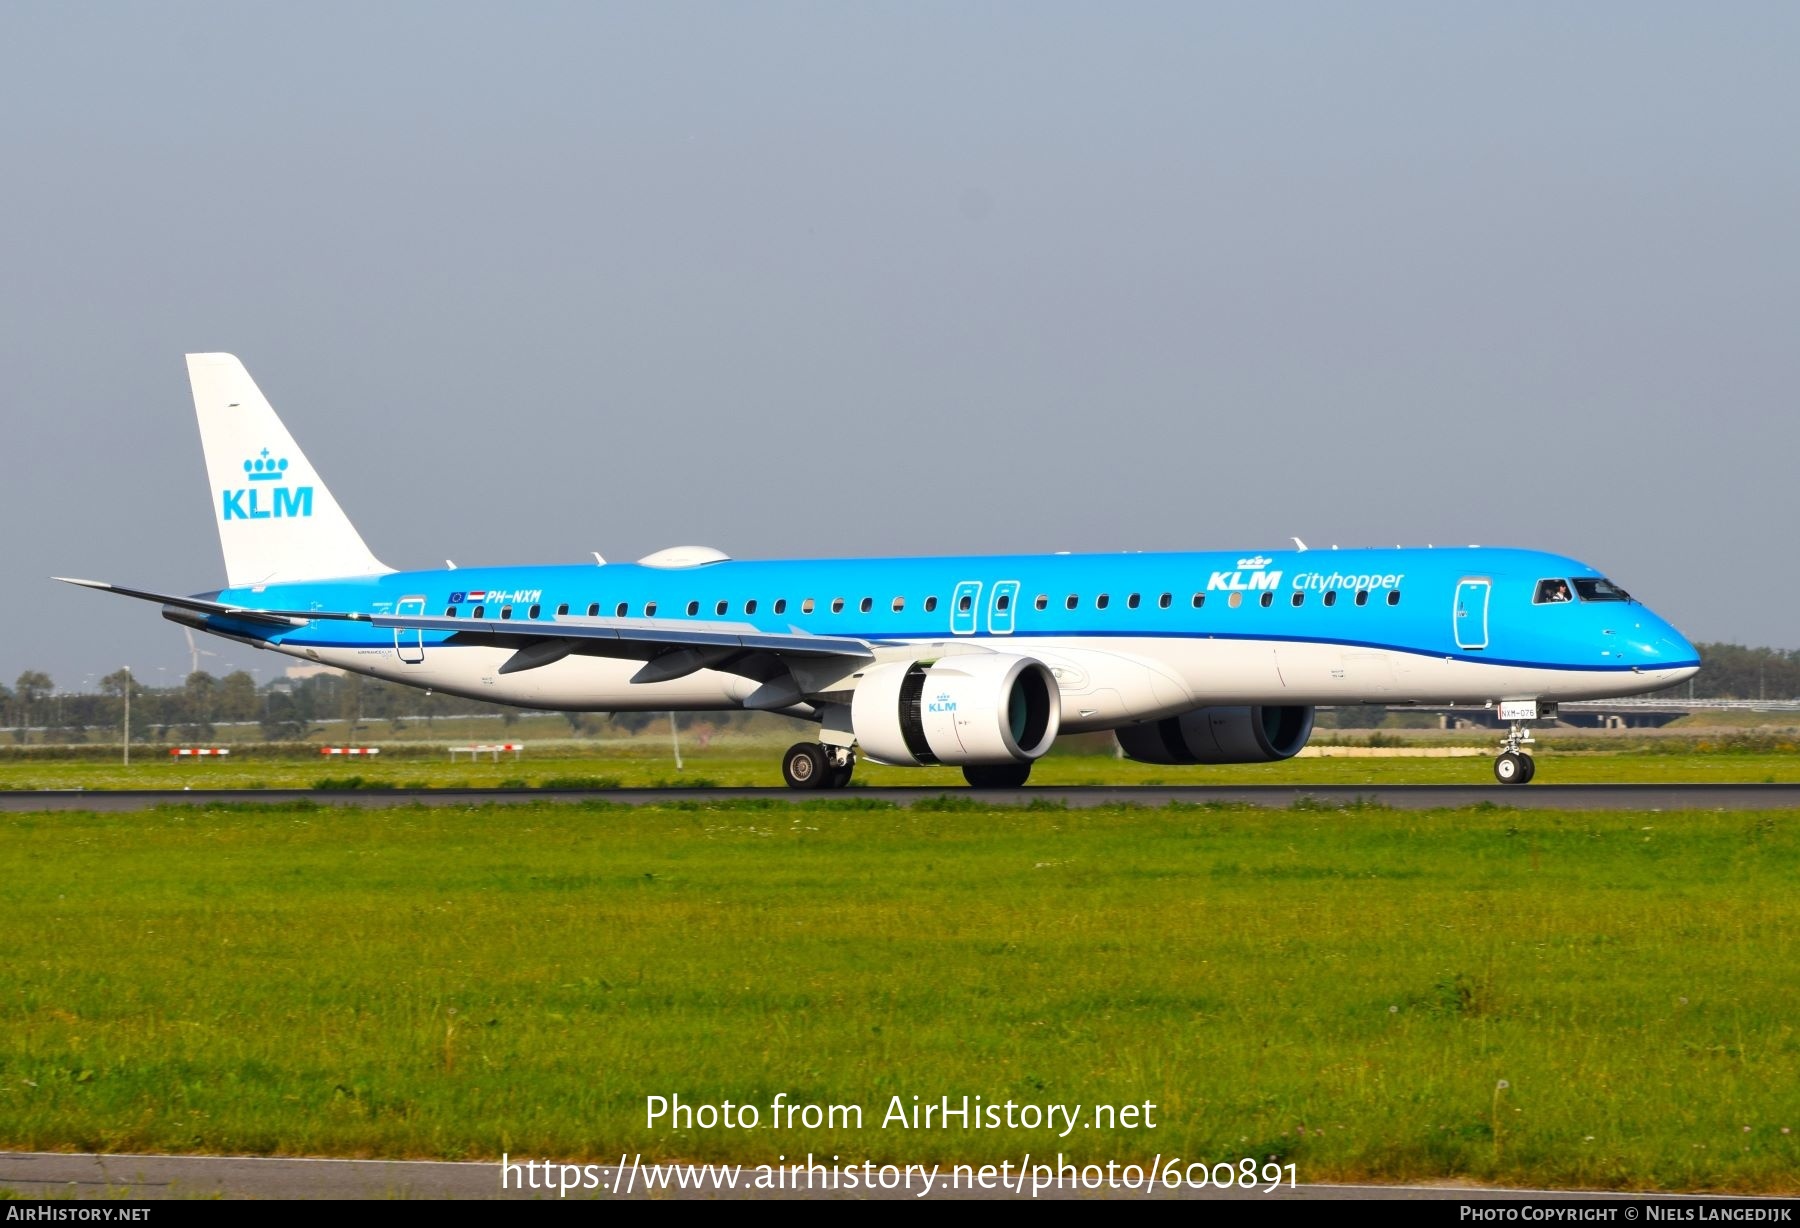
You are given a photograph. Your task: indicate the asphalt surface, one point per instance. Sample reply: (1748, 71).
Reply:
(85, 1175)
(1405, 797)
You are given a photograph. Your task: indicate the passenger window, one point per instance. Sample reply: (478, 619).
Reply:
(1549, 591)
(1073, 601)
(781, 605)
(1331, 596)
(505, 611)
(867, 604)
(1362, 596)
(1042, 602)
(837, 605)
(534, 611)
(806, 607)
(450, 613)
(479, 611)
(930, 604)
(1199, 600)
(1003, 602)
(1299, 599)
(593, 609)
(1100, 602)
(750, 606)
(649, 609)
(1267, 600)
(693, 608)
(963, 603)
(1235, 600)
(1131, 602)
(1165, 601)
(561, 610)
(622, 611)
(899, 604)
(1394, 597)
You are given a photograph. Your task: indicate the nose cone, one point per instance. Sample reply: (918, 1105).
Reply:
(1659, 649)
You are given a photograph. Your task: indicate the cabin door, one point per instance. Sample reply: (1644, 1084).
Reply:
(409, 642)
(1471, 616)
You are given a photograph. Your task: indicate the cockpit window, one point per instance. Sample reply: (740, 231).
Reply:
(1600, 590)
(1552, 590)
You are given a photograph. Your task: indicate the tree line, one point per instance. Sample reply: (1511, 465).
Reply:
(288, 709)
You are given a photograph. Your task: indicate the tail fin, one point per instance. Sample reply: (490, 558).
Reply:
(277, 521)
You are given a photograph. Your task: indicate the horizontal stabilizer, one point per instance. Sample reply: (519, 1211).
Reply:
(198, 604)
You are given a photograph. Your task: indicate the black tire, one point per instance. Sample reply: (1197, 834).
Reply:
(805, 766)
(1511, 768)
(997, 775)
(1530, 768)
(839, 777)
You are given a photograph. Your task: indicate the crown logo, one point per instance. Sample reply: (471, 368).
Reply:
(1255, 561)
(265, 468)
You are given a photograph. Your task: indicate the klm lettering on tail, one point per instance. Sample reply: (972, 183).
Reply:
(285, 502)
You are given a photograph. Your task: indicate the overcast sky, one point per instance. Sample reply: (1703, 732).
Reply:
(532, 280)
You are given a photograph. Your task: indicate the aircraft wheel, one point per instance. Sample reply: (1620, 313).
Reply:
(997, 775)
(839, 777)
(804, 766)
(1530, 768)
(1512, 768)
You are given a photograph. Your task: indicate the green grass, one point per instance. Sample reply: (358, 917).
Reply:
(739, 762)
(1597, 999)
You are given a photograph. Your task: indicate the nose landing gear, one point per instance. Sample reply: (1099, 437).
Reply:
(1514, 765)
(1514, 768)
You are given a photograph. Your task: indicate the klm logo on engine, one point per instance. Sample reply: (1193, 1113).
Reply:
(943, 703)
(268, 496)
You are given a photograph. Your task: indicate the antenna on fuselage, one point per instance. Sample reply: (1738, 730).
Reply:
(1300, 545)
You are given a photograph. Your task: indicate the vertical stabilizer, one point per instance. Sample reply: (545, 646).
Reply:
(277, 521)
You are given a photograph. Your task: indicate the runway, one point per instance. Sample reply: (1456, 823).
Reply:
(1719, 797)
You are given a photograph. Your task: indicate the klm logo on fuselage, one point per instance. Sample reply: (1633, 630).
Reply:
(943, 703)
(1238, 581)
(268, 497)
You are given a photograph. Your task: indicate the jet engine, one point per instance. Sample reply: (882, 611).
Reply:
(971, 708)
(1220, 735)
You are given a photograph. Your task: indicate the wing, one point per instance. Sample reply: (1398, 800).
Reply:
(670, 648)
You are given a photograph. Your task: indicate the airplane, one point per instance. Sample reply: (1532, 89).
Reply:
(972, 662)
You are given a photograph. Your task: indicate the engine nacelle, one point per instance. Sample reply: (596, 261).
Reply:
(971, 708)
(1220, 735)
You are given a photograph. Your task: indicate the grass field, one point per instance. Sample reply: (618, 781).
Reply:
(1596, 999)
(740, 762)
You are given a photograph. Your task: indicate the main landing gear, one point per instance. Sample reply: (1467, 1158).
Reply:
(809, 765)
(1514, 766)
